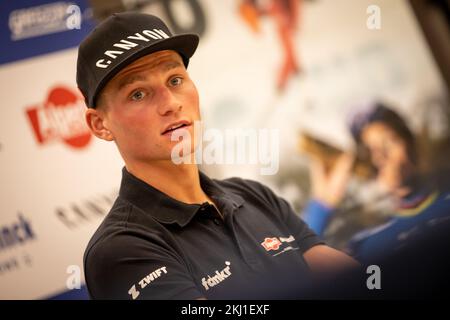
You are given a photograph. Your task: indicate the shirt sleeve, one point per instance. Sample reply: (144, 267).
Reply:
(306, 238)
(127, 267)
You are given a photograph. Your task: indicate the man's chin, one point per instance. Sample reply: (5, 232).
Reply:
(186, 156)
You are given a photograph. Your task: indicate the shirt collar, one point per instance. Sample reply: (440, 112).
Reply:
(168, 210)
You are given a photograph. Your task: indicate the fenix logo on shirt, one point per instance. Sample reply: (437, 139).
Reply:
(218, 277)
(134, 293)
(276, 244)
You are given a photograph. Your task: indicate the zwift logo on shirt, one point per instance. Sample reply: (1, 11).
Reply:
(218, 277)
(152, 276)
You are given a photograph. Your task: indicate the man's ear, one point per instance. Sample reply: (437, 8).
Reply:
(97, 123)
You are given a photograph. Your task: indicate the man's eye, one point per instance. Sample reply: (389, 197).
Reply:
(137, 95)
(176, 81)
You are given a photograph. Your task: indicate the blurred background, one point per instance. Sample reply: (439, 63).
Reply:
(315, 70)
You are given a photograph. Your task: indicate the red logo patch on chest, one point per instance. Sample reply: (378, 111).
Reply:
(271, 244)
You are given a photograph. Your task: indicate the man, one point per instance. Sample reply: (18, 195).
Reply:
(174, 233)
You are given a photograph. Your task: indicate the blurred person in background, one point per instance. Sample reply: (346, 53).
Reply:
(420, 201)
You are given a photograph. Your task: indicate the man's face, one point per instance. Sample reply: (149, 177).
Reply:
(389, 155)
(146, 98)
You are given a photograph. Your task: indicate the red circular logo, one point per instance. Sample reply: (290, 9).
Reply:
(61, 117)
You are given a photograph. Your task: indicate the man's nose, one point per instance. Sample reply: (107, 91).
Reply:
(167, 102)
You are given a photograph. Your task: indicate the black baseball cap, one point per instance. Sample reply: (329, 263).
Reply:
(118, 41)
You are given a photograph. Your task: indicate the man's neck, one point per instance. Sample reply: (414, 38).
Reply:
(181, 182)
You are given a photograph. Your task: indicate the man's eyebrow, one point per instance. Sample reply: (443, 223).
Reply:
(127, 80)
(172, 65)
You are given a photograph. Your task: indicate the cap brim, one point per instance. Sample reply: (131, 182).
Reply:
(184, 44)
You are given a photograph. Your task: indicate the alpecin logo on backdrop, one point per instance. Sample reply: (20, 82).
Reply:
(60, 117)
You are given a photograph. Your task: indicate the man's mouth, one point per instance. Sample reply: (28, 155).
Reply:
(175, 126)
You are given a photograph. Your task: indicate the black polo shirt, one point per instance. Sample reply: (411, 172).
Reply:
(151, 246)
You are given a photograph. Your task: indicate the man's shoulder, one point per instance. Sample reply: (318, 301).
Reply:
(117, 230)
(258, 196)
(245, 186)
(115, 220)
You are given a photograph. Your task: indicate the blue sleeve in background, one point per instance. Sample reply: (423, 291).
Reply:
(316, 215)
